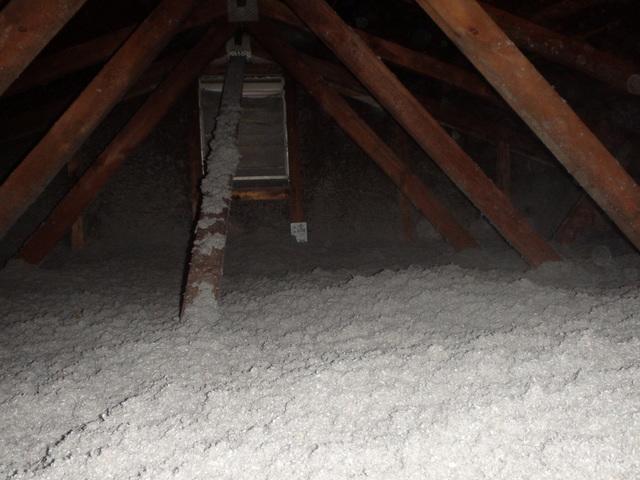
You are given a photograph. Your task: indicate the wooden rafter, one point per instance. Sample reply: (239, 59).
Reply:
(409, 112)
(448, 115)
(66, 136)
(97, 50)
(133, 134)
(358, 130)
(575, 54)
(574, 145)
(29, 122)
(26, 27)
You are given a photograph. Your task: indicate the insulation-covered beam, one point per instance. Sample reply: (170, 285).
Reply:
(539, 105)
(200, 299)
(26, 27)
(67, 135)
(358, 130)
(97, 50)
(409, 112)
(130, 137)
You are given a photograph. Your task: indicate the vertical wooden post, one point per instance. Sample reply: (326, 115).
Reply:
(413, 117)
(26, 27)
(540, 106)
(200, 300)
(296, 181)
(360, 132)
(503, 167)
(66, 136)
(135, 132)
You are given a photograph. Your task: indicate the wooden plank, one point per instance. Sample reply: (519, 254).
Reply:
(539, 105)
(200, 299)
(133, 134)
(261, 194)
(410, 113)
(575, 54)
(358, 130)
(26, 27)
(29, 122)
(97, 50)
(296, 180)
(68, 134)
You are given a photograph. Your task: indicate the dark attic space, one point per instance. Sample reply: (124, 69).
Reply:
(319, 239)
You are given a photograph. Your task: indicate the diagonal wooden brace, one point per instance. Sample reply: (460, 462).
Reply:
(67, 135)
(530, 95)
(131, 136)
(409, 112)
(356, 128)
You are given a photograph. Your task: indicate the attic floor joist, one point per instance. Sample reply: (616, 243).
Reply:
(516, 79)
(407, 110)
(26, 27)
(66, 136)
(356, 128)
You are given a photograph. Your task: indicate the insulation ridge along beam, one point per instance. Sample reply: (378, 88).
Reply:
(67, 135)
(26, 27)
(200, 300)
(560, 129)
(367, 139)
(412, 116)
(130, 137)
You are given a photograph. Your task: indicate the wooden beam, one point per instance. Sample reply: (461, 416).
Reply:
(568, 138)
(200, 299)
(133, 134)
(261, 194)
(68, 134)
(26, 27)
(366, 138)
(98, 50)
(417, 62)
(22, 124)
(447, 114)
(296, 181)
(410, 113)
(575, 54)
(426, 65)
